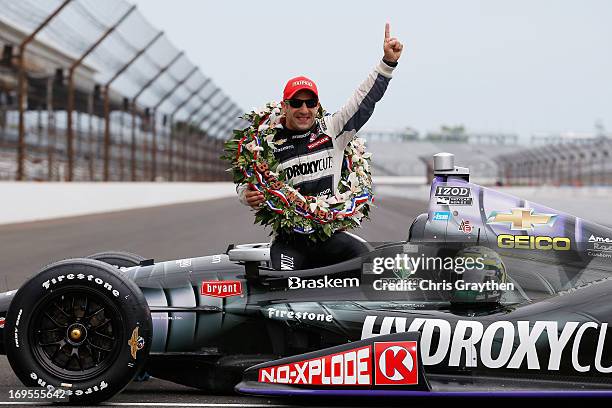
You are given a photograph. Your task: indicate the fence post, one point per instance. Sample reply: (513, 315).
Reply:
(178, 108)
(107, 138)
(22, 89)
(70, 105)
(133, 108)
(154, 117)
(50, 128)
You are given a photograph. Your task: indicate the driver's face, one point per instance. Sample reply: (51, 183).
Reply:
(301, 118)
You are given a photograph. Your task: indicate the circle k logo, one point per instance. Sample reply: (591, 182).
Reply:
(396, 363)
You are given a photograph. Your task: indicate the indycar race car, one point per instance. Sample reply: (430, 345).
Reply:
(489, 293)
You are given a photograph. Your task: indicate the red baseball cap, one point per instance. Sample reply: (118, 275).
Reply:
(297, 84)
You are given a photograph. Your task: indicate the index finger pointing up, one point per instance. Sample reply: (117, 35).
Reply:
(387, 35)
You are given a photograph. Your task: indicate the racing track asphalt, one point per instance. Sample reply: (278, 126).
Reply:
(167, 232)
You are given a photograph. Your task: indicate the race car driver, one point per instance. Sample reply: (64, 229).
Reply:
(312, 157)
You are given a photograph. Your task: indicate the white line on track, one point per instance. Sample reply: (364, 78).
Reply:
(152, 404)
(179, 404)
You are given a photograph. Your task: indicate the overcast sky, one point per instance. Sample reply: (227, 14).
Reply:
(493, 65)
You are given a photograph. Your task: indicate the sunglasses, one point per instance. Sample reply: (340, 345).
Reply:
(297, 103)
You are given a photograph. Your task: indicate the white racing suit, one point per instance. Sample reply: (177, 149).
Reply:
(312, 161)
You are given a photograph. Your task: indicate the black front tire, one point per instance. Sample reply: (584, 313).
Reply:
(80, 326)
(119, 259)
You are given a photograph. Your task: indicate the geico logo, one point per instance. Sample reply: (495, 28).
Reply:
(396, 363)
(504, 344)
(543, 243)
(351, 367)
(79, 276)
(308, 168)
(299, 283)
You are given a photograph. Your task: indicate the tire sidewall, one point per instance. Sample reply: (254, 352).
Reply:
(119, 259)
(106, 282)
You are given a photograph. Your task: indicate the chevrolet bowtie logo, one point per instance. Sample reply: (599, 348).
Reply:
(521, 219)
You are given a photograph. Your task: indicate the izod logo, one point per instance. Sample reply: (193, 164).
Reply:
(444, 191)
(221, 289)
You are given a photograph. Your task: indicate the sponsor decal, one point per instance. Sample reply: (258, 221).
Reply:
(542, 243)
(79, 276)
(43, 383)
(454, 201)
(601, 247)
(350, 367)
(286, 262)
(303, 135)
(2, 320)
(322, 125)
(282, 149)
(302, 82)
(290, 314)
(164, 316)
(324, 192)
(135, 342)
(320, 283)
(450, 191)
(16, 333)
(521, 219)
(601, 251)
(396, 363)
(535, 345)
(183, 263)
(319, 142)
(448, 195)
(441, 216)
(606, 240)
(310, 167)
(410, 248)
(465, 227)
(221, 289)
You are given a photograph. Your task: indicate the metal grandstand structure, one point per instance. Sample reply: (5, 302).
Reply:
(572, 163)
(90, 90)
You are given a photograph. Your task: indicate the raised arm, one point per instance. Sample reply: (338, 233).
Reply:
(355, 113)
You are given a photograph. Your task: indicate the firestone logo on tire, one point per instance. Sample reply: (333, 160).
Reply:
(79, 276)
(396, 363)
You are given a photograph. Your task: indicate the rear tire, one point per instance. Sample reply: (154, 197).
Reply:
(119, 259)
(81, 326)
